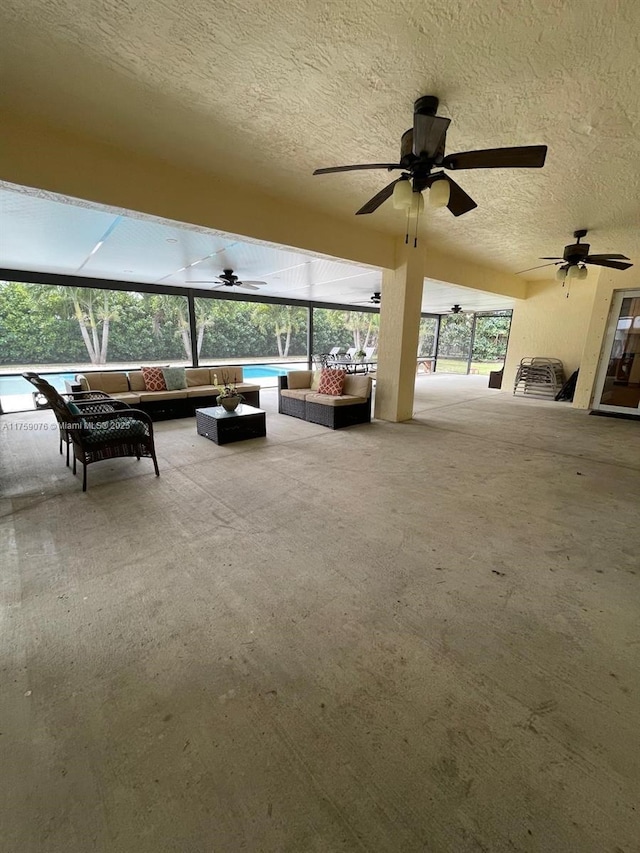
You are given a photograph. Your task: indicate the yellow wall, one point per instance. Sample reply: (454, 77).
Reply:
(457, 270)
(549, 324)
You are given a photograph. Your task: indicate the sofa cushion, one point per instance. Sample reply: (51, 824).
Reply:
(331, 382)
(357, 384)
(84, 382)
(203, 391)
(197, 376)
(332, 400)
(108, 382)
(153, 379)
(295, 393)
(92, 381)
(299, 379)
(150, 396)
(226, 373)
(136, 380)
(127, 397)
(174, 378)
(114, 383)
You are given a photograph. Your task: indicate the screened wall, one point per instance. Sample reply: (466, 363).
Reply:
(62, 329)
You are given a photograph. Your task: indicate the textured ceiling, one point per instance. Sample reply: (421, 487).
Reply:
(267, 91)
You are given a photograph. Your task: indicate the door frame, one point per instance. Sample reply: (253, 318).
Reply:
(605, 353)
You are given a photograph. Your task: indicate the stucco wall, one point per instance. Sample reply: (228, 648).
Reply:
(549, 324)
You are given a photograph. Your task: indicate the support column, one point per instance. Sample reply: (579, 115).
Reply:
(399, 333)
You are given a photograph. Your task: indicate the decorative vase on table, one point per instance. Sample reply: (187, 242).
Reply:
(229, 403)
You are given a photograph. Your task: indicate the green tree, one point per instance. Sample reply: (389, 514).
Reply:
(364, 327)
(281, 320)
(94, 311)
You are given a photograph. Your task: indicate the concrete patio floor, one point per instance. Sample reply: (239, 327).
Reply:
(390, 638)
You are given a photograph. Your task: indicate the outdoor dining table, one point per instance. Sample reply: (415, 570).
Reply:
(352, 366)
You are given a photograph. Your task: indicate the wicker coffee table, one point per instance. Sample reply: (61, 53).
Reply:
(223, 427)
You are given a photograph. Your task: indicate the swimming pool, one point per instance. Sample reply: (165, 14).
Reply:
(11, 385)
(262, 371)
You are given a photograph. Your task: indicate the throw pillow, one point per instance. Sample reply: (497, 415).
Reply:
(153, 379)
(175, 378)
(73, 408)
(331, 382)
(315, 380)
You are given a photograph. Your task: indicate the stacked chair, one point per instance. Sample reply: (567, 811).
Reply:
(97, 426)
(539, 377)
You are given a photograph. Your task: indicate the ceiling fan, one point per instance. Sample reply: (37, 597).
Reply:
(374, 299)
(456, 309)
(228, 279)
(576, 255)
(422, 149)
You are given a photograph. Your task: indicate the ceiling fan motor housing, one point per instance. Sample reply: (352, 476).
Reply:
(575, 253)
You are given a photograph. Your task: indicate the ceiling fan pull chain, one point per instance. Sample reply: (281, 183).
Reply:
(406, 236)
(415, 236)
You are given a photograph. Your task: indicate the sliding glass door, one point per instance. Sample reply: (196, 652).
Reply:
(618, 384)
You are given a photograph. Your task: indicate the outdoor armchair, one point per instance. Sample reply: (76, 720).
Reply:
(100, 428)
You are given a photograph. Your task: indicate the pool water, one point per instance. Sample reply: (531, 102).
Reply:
(262, 371)
(11, 385)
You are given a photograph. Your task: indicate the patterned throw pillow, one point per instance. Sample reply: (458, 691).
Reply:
(331, 382)
(153, 379)
(175, 378)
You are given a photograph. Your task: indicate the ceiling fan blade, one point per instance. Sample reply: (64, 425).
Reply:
(375, 202)
(428, 133)
(525, 156)
(614, 265)
(353, 168)
(531, 269)
(606, 257)
(551, 259)
(459, 201)
(250, 285)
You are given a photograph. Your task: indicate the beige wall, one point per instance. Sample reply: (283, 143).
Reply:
(551, 325)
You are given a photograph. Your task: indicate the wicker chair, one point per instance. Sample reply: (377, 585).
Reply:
(98, 428)
(91, 401)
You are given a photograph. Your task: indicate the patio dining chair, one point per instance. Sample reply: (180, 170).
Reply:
(99, 428)
(320, 360)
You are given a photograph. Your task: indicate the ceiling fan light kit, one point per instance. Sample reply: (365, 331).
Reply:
(402, 195)
(439, 194)
(422, 149)
(575, 260)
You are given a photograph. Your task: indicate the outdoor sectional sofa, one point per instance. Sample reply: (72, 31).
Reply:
(297, 397)
(200, 392)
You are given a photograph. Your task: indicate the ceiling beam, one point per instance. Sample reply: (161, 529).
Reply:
(40, 155)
